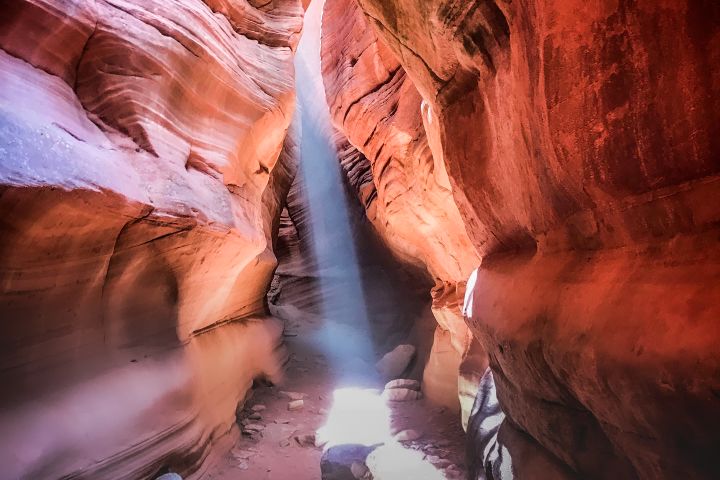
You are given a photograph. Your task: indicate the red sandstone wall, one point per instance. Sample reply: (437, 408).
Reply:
(580, 140)
(406, 193)
(140, 178)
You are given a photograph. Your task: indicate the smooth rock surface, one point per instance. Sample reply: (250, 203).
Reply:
(142, 170)
(396, 169)
(581, 145)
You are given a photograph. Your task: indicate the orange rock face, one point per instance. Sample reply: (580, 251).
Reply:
(141, 178)
(580, 140)
(390, 163)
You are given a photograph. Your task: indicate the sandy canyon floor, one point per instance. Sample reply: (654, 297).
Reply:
(282, 448)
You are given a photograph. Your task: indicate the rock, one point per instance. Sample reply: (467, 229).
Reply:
(254, 416)
(393, 158)
(305, 440)
(537, 190)
(284, 443)
(139, 210)
(253, 427)
(258, 408)
(401, 395)
(336, 462)
(242, 454)
(403, 383)
(295, 405)
(292, 395)
(395, 362)
(407, 435)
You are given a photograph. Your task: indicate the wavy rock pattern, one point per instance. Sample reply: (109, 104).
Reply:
(581, 145)
(141, 179)
(389, 161)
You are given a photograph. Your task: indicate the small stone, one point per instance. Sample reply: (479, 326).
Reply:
(254, 427)
(306, 440)
(295, 405)
(255, 416)
(285, 443)
(242, 465)
(258, 408)
(395, 362)
(169, 476)
(241, 454)
(408, 435)
(403, 383)
(401, 395)
(292, 395)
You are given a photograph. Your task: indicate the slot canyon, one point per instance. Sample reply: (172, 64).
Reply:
(359, 239)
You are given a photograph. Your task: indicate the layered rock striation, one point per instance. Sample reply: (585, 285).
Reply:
(142, 180)
(581, 145)
(388, 158)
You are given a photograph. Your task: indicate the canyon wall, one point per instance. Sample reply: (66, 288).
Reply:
(581, 145)
(141, 185)
(333, 271)
(388, 159)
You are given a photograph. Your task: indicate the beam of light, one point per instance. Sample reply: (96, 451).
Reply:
(360, 416)
(393, 461)
(345, 334)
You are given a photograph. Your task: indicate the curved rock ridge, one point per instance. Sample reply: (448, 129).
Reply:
(390, 163)
(581, 144)
(141, 185)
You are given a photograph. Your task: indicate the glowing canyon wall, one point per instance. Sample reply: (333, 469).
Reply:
(140, 187)
(388, 158)
(581, 145)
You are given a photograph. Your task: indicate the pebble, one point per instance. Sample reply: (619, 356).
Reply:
(258, 408)
(401, 395)
(254, 427)
(295, 405)
(395, 362)
(169, 476)
(292, 395)
(255, 416)
(407, 435)
(403, 383)
(306, 440)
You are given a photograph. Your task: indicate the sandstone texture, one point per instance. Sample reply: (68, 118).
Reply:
(141, 181)
(581, 145)
(388, 159)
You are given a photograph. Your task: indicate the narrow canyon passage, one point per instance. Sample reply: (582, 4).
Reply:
(284, 444)
(359, 239)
